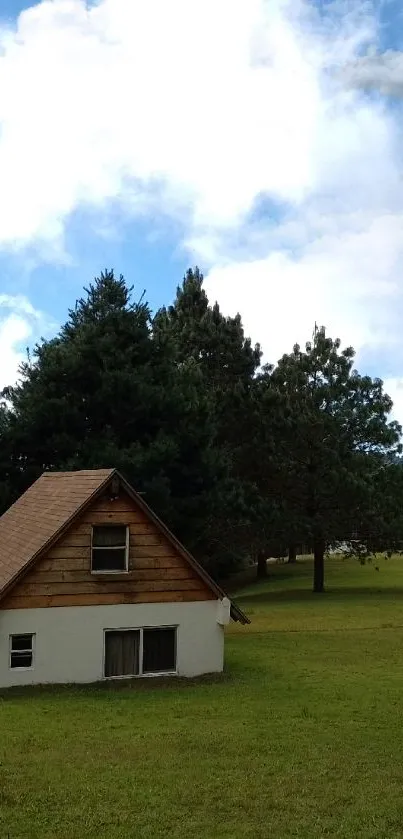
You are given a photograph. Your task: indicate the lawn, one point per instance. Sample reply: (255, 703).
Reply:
(302, 737)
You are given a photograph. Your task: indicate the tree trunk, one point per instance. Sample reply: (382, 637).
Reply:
(292, 553)
(261, 565)
(319, 566)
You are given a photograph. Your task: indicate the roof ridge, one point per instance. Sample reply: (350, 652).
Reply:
(73, 473)
(45, 511)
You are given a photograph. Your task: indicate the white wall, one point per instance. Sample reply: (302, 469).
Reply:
(69, 639)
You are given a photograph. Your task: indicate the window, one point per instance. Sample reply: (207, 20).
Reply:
(122, 652)
(21, 651)
(110, 548)
(138, 652)
(159, 650)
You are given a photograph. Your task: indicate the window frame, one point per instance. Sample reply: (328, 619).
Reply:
(12, 652)
(125, 570)
(141, 674)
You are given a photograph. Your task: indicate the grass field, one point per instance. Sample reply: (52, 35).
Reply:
(302, 737)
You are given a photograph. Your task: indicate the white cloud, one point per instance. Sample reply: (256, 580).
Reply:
(19, 323)
(13, 331)
(20, 303)
(344, 278)
(198, 110)
(383, 72)
(394, 387)
(196, 107)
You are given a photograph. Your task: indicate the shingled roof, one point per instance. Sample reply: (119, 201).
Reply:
(42, 514)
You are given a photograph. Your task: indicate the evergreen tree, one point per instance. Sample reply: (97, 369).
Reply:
(239, 460)
(100, 394)
(331, 425)
(8, 476)
(226, 364)
(108, 391)
(381, 524)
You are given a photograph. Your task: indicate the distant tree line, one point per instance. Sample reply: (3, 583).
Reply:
(242, 460)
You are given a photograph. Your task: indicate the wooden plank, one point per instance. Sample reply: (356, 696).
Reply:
(123, 503)
(82, 563)
(138, 551)
(77, 542)
(145, 539)
(143, 529)
(142, 562)
(81, 535)
(93, 586)
(40, 602)
(41, 577)
(124, 512)
(74, 563)
(145, 545)
(69, 552)
(113, 517)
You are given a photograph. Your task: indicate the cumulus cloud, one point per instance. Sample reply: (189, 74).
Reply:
(14, 330)
(246, 122)
(195, 108)
(343, 279)
(394, 387)
(382, 72)
(18, 322)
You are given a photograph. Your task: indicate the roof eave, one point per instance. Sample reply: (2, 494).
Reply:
(236, 614)
(54, 538)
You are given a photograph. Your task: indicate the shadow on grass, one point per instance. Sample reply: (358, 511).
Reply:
(304, 595)
(275, 573)
(113, 686)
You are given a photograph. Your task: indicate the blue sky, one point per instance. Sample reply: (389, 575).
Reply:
(274, 163)
(150, 263)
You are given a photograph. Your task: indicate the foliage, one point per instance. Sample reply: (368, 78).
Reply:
(354, 549)
(225, 362)
(8, 476)
(332, 428)
(242, 461)
(96, 394)
(114, 388)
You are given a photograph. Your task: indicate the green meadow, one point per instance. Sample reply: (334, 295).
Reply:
(301, 737)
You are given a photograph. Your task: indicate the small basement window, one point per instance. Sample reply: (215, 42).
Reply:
(122, 653)
(159, 650)
(140, 652)
(21, 651)
(110, 548)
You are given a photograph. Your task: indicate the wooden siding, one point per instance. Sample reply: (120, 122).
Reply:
(157, 571)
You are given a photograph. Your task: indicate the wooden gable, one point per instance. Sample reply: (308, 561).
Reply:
(62, 576)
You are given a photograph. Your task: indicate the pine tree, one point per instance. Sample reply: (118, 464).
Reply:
(8, 474)
(100, 394)
(109, 390)
(331, 421)
(225, 362)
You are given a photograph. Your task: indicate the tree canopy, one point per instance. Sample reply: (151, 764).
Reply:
(241, 460)
(334, 429)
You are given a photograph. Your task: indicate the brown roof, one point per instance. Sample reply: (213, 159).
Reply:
(40, 513)
(40, 516)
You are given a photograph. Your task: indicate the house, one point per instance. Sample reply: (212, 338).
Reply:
(94, 586)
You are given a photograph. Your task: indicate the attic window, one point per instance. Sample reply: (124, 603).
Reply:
(110, 549)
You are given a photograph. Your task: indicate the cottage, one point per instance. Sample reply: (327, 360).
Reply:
(94, 586)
